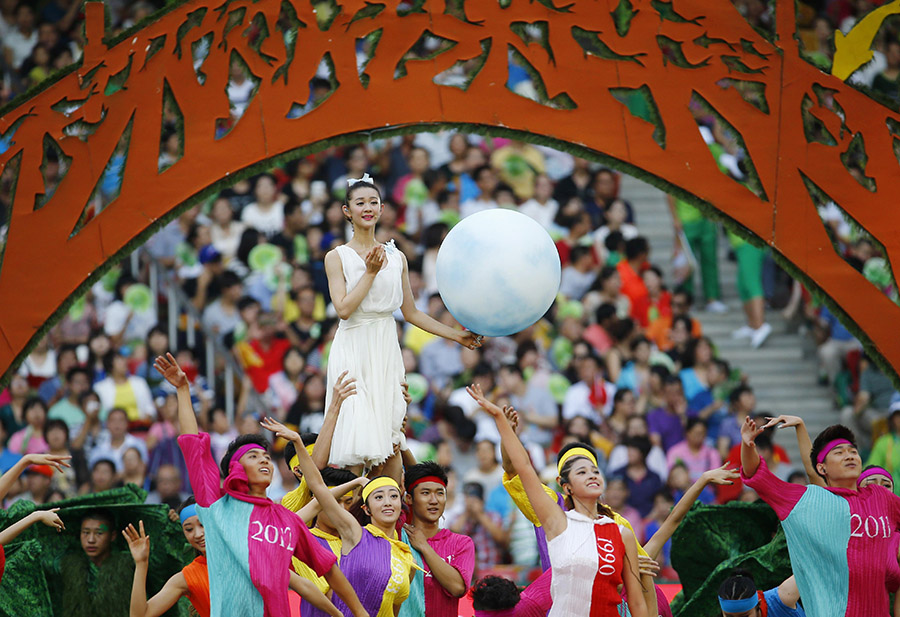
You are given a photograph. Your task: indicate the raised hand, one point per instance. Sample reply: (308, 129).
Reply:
(343, 389)
(279, 429)
(469, 339)
(375, 259)
(785, 421)
(475, 392)
(749, 432)
(648, 566)
(50, 518)
(721, 475)
(138, 543)
(169, 369)
(57, 461)
(512, 416)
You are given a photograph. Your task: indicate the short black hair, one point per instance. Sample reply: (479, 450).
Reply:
(290, 450)
(333, 476)
(736, 394)
(229, 279)
(187, 502)
(835, 431)
(75, 370)
(605, 311)
(242, 440)
(636, 247)
(101, 461)
(578, 252)
(739, 586)
(642, 444)
(494, 593)
(414, 473)
(100, 514)
(56, 423)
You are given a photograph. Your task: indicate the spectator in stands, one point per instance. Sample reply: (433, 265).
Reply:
(53, 389)
(67, 408)
(115, 439)
(656, 459)
(871, 403)
(541, 206)
(538, 412)
(441, 359)
(592, 396)
(666, 423)
(579, 273)
(30, 439)
(637, 250)
(702, 235)
(103, 476)
(642, 483)
(127, 392)
(40, 365)
(693, 452)
(20, 40)
(486, 181)
(266, 214)
(488, 473)
(835, 342)
(697, 359)
(225, 232)
(617, 497)
(267, 351)
(484, 527)
(887, 82)
(68, 479)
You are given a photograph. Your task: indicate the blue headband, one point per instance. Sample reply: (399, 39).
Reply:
(739, 606)
(187, 512)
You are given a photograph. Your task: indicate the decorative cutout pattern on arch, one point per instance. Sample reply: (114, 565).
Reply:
(582, 58)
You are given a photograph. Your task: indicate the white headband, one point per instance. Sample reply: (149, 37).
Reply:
(365, 178)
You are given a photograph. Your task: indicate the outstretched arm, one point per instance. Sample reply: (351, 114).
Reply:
(175, 587)
(322, 450)
(169, 369)
(789, 594)
(309, 592)
(310, 511)
(749, 455)
(424, 321)
(8, 479)
(721, 475)
(47, 517)
(548, 513)
(803, 441)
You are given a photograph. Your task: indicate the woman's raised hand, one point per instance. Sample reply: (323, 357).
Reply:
(279, 429)
(721, 475)
(138, 543)
(50, 518)
(475, 392)
(343, 389)
(375, 259)
(785, 421)
(169, 369)
(57, 461)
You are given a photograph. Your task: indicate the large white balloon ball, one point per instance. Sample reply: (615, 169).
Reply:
(498, 272)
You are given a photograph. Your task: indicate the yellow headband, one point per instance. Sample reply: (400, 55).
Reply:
(575, 452)
(296, 460)
(376, 484)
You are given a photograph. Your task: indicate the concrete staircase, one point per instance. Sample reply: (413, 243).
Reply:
(782, 372)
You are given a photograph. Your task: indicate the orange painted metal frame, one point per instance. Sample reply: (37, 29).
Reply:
(44, 263)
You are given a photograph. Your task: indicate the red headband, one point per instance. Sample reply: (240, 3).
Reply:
(831, 445)
(425, 479)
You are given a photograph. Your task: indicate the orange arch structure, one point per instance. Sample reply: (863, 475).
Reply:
(585, 58)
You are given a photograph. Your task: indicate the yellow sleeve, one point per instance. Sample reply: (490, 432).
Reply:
(297, 498)
(516, 490)
(308, 573)
(621, 520)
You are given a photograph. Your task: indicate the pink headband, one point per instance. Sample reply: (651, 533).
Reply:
(831, 445)
(237, 480)
(874, 471)
(509, 612)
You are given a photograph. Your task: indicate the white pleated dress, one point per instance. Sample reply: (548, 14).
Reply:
(366, 345)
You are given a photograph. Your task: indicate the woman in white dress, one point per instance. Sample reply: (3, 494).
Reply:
(591, 557)
(368, 281)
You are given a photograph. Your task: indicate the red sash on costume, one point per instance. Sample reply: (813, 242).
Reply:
(610, 561)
